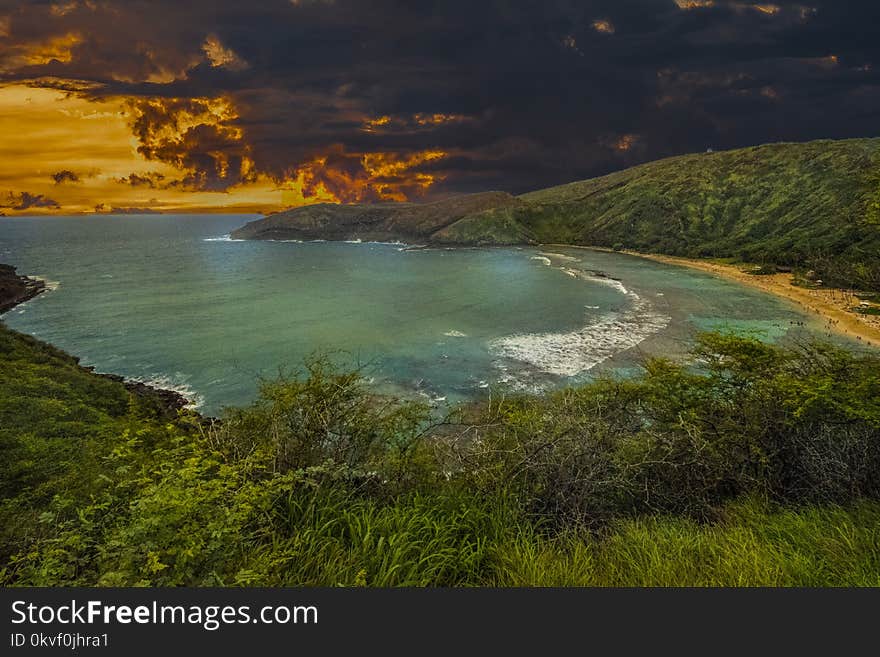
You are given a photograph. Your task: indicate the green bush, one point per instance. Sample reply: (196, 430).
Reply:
(796, 426)
(757, 466)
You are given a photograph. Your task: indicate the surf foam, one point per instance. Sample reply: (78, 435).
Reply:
(222, 238)
(176, 384)
(568, 354)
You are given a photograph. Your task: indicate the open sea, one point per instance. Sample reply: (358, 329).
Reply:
(170, 299)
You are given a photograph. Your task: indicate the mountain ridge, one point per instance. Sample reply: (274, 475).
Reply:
(814, 205)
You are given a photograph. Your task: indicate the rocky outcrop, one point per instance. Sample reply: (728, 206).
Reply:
(166, 403)
(15, 289)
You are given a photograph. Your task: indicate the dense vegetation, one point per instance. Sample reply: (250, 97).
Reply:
(761, 467)
(814, 206)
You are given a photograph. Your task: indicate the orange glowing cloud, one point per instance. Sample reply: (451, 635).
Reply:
(51, 162)
(306, 187)
(343, 177)
(390, 173)
(371, 124)
(763, 8)
(390, 164)
(437, 119)
(219, 56)
(175, 154)
(198, 136)
(626, 142)
(604, 26)
(694, 4)
(412, 122)
(58, 48)
(621, 143)
(44, 132)
(63, 8)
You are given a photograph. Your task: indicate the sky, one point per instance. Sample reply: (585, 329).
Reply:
(231, 106)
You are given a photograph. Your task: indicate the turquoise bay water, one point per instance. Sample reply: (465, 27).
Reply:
(169, 299)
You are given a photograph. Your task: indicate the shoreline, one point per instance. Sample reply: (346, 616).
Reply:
(16, 289)
(829, 303)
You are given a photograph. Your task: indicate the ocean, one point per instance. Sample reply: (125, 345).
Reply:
(171, 300)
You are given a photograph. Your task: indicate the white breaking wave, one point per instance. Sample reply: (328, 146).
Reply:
(546, 261)
(164, 382)
(222, 238)
(575, 352)
(377, 242)
(51, 286)
(561, 256)
(455, 334)
(593, 278)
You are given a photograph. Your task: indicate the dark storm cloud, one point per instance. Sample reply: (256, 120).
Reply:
(151, 180)
(26, 201)
(540, 92)
(65, 176)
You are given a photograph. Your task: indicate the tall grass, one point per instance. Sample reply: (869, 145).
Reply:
(761, 471)
(751, 546)
(330, 540)
(428, 541)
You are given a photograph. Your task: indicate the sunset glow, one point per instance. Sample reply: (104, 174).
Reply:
(122, 107)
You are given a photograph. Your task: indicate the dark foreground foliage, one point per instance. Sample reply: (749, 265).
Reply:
(758, 466)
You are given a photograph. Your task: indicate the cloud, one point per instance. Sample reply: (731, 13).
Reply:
(65, 176)
(348, 177)
(103, 208)
(152, 179)
(196, 135)
(50, 50)
(25, 201)
(219, 56)
(604, 26)
(348, 100)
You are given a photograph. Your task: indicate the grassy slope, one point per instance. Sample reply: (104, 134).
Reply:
(49, 406)
(781, 203)
(58, 420)
(98, 488)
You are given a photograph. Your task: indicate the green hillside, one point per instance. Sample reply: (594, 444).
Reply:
(814, 205)
(763, 470)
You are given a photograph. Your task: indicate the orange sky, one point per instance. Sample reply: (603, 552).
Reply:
(45, 131)
(221, 106)
(46, 135)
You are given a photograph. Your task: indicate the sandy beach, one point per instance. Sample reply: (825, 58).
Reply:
(831, 304)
